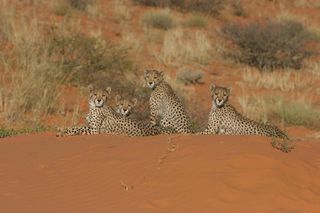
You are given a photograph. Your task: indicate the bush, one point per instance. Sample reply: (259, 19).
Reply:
(7, 132)
(196, 20)
(237, 8)
(160, 20)
(83, 57)
(60, 7)
(4, 132)
(271, 45)
(80, 4)
(210, 7)
(154, 3)
(299, 113)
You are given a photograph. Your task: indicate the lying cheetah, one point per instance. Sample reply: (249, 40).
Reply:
(102, 119)
(165, 105)
(224, 119)
(125, 106)
(94, 118)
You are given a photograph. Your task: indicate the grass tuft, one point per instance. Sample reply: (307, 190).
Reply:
(158, 19)
(196, 20)
(299, 113)
(209, 7)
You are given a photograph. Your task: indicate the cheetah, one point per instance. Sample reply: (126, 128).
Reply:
(165, 107)
(94, 118)
(103, 119)
(124, 106)
(224, 119)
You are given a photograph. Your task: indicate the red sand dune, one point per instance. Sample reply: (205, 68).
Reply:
(42, 173)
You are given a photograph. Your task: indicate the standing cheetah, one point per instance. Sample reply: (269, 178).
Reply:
(125, 106)
(102, 119)
(165, 105)
(224, 119)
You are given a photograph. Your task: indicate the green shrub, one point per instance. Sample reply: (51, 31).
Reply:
(271, 45)
(83, 57)
(160, 19)
(7, 132)
(80, 4)
(154, 3)
(196, 20)
(4, 132)
(60, 7)
(300, 113)
(237, 8)
(210, 7)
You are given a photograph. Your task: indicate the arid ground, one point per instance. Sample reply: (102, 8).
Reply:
(42, 173)
(265, 51)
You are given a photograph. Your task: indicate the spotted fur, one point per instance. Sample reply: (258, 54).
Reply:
(165, 107)
(224, 119)
(103, 119)
(124, 106)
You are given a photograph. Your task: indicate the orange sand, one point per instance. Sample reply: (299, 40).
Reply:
(42, 173)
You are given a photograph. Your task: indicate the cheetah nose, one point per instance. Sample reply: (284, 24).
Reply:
(150, 83)
(99, 100)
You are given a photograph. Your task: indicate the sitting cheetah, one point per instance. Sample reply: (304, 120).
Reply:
(102, 119)
(224, 119)
(125, 106)
(165, 105)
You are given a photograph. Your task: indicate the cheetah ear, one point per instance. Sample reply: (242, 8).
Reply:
(90, 88)
(108, 90)
(212, 87)
(146, 72)
(161, 73)
(134, 101)
(117, 98)
(229, 90)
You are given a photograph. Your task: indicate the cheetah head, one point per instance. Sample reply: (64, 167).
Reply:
(125, 106)
(153, 78)
(98, 97)
(219, 95)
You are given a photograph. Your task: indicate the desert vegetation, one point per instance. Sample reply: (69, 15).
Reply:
(52, 51)
(271, 45)
(210, 7)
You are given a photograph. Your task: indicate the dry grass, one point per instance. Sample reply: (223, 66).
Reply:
(195, 20)
(300, 113)
(284, 81)
(161, 19)
(265, 109)
(121, 10)
(256, 108)
(209, 7)
(34, 79)
(60, 7)
(182, 46)
(44, 57)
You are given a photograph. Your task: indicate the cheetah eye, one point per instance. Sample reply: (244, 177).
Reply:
(216, 93)
(95, 94)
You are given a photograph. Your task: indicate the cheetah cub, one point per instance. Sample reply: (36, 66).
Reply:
(165, 107)
(124, 106)
(224, 119)
(94, 119)
(103, 119)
